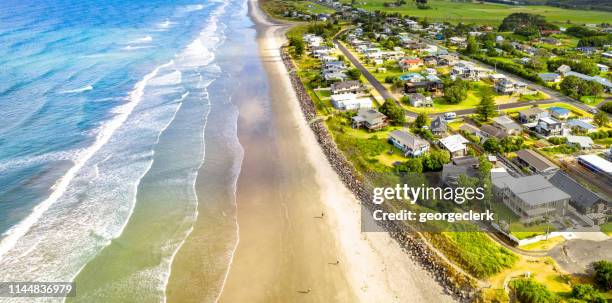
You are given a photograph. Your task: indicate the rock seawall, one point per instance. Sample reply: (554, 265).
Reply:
(461, 286)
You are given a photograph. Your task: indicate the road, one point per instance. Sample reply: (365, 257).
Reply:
(555, 96)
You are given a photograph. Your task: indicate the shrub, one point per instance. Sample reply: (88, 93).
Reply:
(530, 291)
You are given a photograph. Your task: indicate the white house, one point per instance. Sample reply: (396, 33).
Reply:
(350, 102)
(455, 144)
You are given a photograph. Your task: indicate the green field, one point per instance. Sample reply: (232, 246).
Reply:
(485, 13)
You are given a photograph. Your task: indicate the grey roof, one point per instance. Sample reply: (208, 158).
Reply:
(583, 141)
(493, 131)
(469, 128)
(506, 122)
(369, 115)
(580, 123)
(408, 139)
(535, 160)
(438, 124)
(549, 76)
(580, 194)
(533, 190)
(345, 84)
(532, 111)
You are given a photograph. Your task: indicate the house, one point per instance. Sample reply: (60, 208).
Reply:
(580, 126)
(508, 125)
(531, 197)
(559, 112)
(550, 40)
(412, 77)
(433, 86)
(586, 49)
(549, 127)
(408, 143)
(550, 77)
(447, 60)
(583, 142)
(438, 126)
(470, 129)
(419, 100)
(334, 66)
(430, 60)
(410, 63)
(603, 68)
(373, 53)
(532, 114)
(490, 131)
(345, 87)
(597, 164)
(581, 198)
(564, 69)
(370, 119)
(334, 76)
(458, 41)
(451, 172)
(535, 162)
(350, 102)
(496, 77)
(508, 87)
(455, 144)
(468, 70)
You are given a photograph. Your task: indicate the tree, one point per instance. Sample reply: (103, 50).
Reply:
(421, 120)
(607, 107)
(530, 291)
(413, 165)
(572, 86)
(298, 45)
(353, 74)
(492, 145)
(486, 108)
(603, 274)
(393, 112)
(435, 159)
(601, 119)
(587, 293)
(472, 45)
(456, 91)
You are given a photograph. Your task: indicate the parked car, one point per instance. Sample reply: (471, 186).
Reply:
(450, 116)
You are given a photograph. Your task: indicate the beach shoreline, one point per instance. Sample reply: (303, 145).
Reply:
(375, 265)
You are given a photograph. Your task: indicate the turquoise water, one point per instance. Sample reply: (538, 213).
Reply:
(103, 110)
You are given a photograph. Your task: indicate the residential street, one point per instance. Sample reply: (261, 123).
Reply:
(555, 96)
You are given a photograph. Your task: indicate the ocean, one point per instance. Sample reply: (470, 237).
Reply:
(117, 138)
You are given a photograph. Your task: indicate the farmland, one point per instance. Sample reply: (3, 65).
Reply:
(485, 13)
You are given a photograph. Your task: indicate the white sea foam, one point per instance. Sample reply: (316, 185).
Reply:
(193, 8)
(78, 90)
(131, 48)
(172, 78)
(145, 39)
(11, 236)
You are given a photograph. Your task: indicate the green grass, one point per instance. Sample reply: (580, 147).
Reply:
(591, 100)
(475, 252)
(485, 13)
(313, 7)
(607, 228)
(521, 231)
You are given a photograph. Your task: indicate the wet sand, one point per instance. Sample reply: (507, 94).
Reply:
(285, 184)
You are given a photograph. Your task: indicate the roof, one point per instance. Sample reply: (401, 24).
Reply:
(469, 128)
(438, 124)
(345, 84)
(506, 122)
(580, 123)
(580, 140)
(533, 190)
(493, 131)
(580, 194)
(416, 97)
(559, 110)
(408, 139)
(532, 111)
(369, 115)
(548, 120)
(598, 162)
(549, 76)
(535, 160)
(454, 143)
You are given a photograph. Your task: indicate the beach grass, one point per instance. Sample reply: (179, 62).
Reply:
(544, 244)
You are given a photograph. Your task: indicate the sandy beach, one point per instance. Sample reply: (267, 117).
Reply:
(299, 237)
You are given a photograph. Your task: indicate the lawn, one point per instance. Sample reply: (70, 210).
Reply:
(543, 270)
(591, 100)
(313, 7)
(544, 245)
(485, 13)
(607, 228)
(521, 231)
